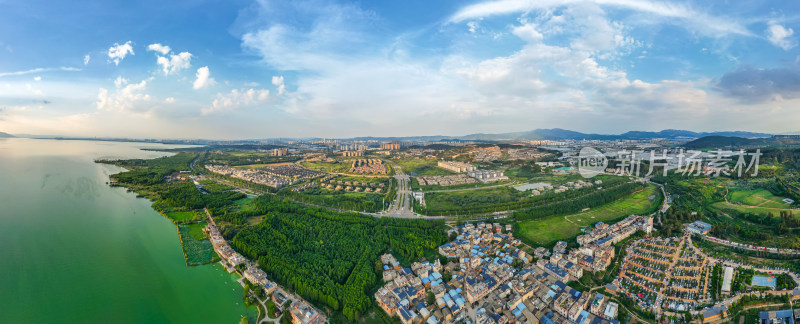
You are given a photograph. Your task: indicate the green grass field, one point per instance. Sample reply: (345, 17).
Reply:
(556, 228)
(757, 197)
(182, 216)
(214, 186)
(723, 206)
(755, 201)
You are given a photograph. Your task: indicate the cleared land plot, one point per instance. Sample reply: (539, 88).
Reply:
(420, 167)
(548, 230)
(329, 167)
(263, 165)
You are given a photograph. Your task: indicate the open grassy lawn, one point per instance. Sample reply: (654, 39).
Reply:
(420, 167)
(242, 204)
(196, 231)
(548, 230)
(214, 186)
(182, 215)
(757, 197)
(723, 206)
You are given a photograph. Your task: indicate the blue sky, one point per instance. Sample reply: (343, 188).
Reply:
(259, 69)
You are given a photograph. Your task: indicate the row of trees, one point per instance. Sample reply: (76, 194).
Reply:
(326, 256)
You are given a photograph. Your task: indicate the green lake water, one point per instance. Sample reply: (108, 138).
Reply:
(74, 250)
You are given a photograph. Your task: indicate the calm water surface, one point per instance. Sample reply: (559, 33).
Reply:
(74, 250)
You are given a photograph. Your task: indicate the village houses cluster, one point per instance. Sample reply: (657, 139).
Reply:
(489, 279)
(251, 175)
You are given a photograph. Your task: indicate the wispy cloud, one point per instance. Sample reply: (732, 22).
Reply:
(681, 14)
(40, 70)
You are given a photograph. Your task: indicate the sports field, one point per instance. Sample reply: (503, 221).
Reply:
(547, 231)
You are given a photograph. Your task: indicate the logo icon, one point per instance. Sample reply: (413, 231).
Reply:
(591, 162)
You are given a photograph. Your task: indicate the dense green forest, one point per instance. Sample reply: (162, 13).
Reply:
(328, 257)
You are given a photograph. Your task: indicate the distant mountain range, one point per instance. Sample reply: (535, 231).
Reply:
(5, 135)
(563, 134)
(777, 141)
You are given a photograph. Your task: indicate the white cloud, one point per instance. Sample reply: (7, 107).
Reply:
(278, 82)
(86, 59)
(126, 97)
(169, 100)
(38, 78)
(175, 63)
(473, 26)
(236, 99)
(780, 36)
(163, 49)
(203, 80)
(118, 52)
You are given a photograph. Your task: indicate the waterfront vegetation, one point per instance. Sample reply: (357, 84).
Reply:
(545, 231)
(327, 257)
(197, 249)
